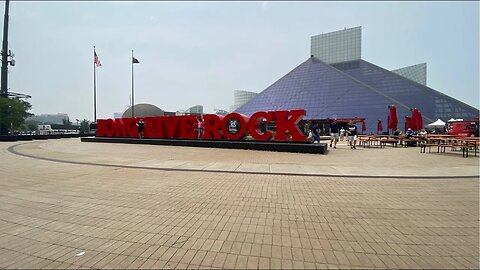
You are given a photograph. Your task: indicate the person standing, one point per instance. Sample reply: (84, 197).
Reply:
(342, 133)
(314, 128)
(333, 130)
(200, 127)
(141, 127)
(352, 134)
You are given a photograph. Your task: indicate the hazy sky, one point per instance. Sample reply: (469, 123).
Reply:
(199, 52)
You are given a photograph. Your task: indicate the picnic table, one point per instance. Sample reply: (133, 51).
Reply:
(441, 142)
(377, 140)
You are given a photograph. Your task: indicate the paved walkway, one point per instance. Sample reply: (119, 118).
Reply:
(64, 215)
(367, 162)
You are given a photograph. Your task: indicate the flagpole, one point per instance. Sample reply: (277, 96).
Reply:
(94, 88)
(133, 94)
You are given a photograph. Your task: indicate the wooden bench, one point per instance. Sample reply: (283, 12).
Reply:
(406, 142)
(367, 141)
(383, 142)
(441, 147)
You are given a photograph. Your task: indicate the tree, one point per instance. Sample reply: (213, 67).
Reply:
(84, 126)
(31, 125)
(13, 112)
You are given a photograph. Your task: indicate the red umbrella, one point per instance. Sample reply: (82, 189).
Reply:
(392, 119)
(419, 120)
(364, 127)
(379, 126)
(414, 119)
(408, 122)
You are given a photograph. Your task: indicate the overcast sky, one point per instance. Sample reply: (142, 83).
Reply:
(199, 52)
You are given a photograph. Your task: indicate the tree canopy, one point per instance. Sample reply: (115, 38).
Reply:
(13, 112)
(84, 126)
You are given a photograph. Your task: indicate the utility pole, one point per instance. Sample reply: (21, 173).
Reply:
(4, 74)
(5, 53)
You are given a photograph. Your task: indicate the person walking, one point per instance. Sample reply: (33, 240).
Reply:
(141, 128)
(333, 130)
(352, 134)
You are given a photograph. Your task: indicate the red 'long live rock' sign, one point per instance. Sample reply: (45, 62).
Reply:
(233, 126)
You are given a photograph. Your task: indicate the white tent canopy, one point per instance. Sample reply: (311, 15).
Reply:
(455, 120)
(438, 123)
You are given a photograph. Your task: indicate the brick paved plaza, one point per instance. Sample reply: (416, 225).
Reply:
(143, 206)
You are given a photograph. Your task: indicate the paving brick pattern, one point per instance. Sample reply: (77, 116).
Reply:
(133, 218)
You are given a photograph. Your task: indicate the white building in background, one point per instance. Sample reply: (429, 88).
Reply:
(240, 98)
(117, 115)
(50, 118)
(181, 112)
(197, 109)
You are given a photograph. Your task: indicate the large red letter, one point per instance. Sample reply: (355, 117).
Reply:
(152, 127)
(120, 128)
(254, 124)
(110, 128)
(171, 126)
(234, 126)
(101, 128)
(212, 124)
(187, 126)
(287, 122)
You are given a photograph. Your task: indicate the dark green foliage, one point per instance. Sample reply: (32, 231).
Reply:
(13, 113)
(84, 126)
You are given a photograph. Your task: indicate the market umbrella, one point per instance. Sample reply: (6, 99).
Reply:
(379, 127)
(419, 121)
(408, 122)
(414, 117)
(392, 118)
(364, 127)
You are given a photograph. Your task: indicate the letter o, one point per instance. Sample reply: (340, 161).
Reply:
(234, 126)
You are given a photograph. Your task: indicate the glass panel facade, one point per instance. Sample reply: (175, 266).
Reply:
(324, 92)
(240, 97)
(354, 89)
(407, 93)
(416, 73)
(339, 46)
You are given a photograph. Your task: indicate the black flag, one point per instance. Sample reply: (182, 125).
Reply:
(135, 60)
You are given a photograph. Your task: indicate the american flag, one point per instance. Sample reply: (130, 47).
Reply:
(96, 61)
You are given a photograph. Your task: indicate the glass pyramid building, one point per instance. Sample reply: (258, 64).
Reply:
(352, 88)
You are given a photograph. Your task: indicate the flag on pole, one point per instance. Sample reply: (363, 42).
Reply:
(135, 60)
(96, 61)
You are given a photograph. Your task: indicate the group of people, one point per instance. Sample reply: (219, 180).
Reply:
(336, 133)
(411, 132)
